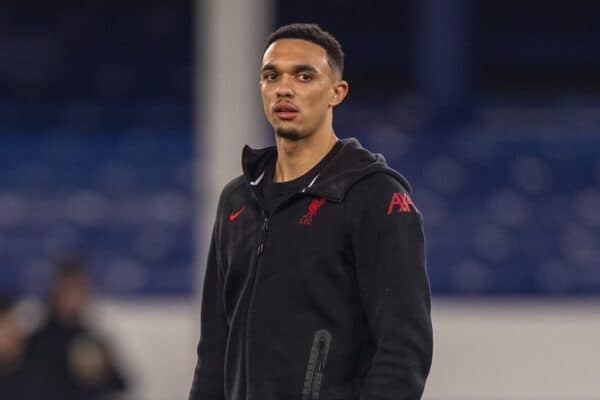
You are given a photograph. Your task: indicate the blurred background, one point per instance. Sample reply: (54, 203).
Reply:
(120, 122)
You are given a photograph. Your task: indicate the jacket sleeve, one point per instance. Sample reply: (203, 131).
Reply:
(208, 381)
(388, 243)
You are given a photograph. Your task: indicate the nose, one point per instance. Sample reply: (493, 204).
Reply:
(285, 87)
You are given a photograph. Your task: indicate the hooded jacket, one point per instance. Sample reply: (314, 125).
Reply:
(326, 297)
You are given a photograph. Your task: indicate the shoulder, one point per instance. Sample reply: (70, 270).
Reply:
(236, 185)
(378, 182)
(234, 192)
(382, 195)
(235, 189)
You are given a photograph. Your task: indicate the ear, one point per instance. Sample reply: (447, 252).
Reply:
(340, 90)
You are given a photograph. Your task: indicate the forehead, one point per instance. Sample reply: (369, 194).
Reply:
(289, 52)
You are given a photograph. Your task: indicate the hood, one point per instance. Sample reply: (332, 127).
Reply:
(349, 165)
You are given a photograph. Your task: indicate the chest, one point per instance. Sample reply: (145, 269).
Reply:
(305, 232)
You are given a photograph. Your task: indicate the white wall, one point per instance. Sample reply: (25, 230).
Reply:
(484, 350)
(518, 349)
(155, 340)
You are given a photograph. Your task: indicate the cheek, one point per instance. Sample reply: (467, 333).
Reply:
(264, 95)
(266, 100)
(321, 95)
(319, 101)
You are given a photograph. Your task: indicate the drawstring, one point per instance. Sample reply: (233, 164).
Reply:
(257, 181)
(311, 183)
(262, 175)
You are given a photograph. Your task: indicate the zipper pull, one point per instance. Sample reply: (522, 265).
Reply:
(321, 366)
(321, 353)
(265, 228)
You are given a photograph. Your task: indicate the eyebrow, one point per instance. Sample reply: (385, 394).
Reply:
(297, 68)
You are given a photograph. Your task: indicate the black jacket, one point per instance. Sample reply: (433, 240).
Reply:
(56, 353)
(326, 298)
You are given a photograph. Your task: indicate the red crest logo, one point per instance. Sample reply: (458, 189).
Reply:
(311, 212)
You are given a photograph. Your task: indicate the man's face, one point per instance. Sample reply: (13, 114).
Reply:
(72, 297)
(297, 86)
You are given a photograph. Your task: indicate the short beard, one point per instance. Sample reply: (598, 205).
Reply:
(292, 135)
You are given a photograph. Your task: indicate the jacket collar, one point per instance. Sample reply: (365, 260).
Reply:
(349, 165)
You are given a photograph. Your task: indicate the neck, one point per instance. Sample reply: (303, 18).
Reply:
(295, 158)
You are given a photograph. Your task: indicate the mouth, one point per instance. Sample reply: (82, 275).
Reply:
(285, 111)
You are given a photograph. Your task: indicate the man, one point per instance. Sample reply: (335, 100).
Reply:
(68, 359)
(315, 285)
(13, 360)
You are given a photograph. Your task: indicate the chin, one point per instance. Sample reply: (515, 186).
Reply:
(290, 134)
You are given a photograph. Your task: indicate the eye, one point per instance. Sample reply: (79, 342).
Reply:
(269, 76)
(305, 76)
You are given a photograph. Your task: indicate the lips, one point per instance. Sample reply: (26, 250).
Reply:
(285, 111)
